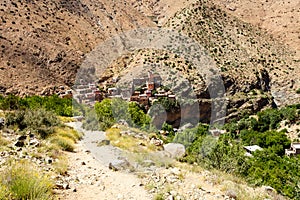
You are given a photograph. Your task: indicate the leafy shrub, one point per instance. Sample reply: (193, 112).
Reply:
(266, 167)
(22, 181)
(104, 114)
(109, 112)
(90, 121)
(10, 102)
(269, 119)
(282, 173)
(277, 141)
(41, 121)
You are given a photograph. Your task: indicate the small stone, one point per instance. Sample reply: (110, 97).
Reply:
(170, 197)
(231, 194)
(49, 160)
(83, 163)
(74, 190)
(66, 186)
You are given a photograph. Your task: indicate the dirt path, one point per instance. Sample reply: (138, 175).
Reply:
(90, 177)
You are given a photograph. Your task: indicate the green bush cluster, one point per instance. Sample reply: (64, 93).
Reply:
(169, 105)
(267, 167)
(109, 111)
(61, 106)
(39, 120)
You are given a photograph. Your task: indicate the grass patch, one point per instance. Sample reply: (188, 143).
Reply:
(53, 150)
(64, 139)
(69, 133)
(3, 141)
(245, 193)
(128, 143)
(20, 180)
(65, 143)
(61, 165)
(66, 119)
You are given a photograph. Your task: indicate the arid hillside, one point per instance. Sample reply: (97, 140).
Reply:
(280, 18)
(44, 42)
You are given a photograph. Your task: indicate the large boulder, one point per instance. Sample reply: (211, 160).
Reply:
(119, 164)
(175, 150)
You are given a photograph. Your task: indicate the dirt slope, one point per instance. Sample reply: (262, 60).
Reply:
(44, 42)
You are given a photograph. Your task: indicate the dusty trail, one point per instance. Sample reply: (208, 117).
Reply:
(89, 176)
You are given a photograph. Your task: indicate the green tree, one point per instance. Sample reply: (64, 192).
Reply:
(104, 114)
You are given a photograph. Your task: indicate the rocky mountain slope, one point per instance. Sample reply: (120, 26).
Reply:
(246, 54)
(254, 65)
(44, 42)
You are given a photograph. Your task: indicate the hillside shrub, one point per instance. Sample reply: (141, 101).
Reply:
(39, 121)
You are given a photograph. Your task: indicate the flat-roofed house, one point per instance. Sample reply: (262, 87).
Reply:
(252, 149)
(293, 150)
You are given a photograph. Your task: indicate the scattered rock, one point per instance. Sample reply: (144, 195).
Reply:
(186, 126)
(20, 143)
(64, 186)
(269, 189)
(123, 122)
(156, 142)
(87, 151)
(34, 142)
(48, 160)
